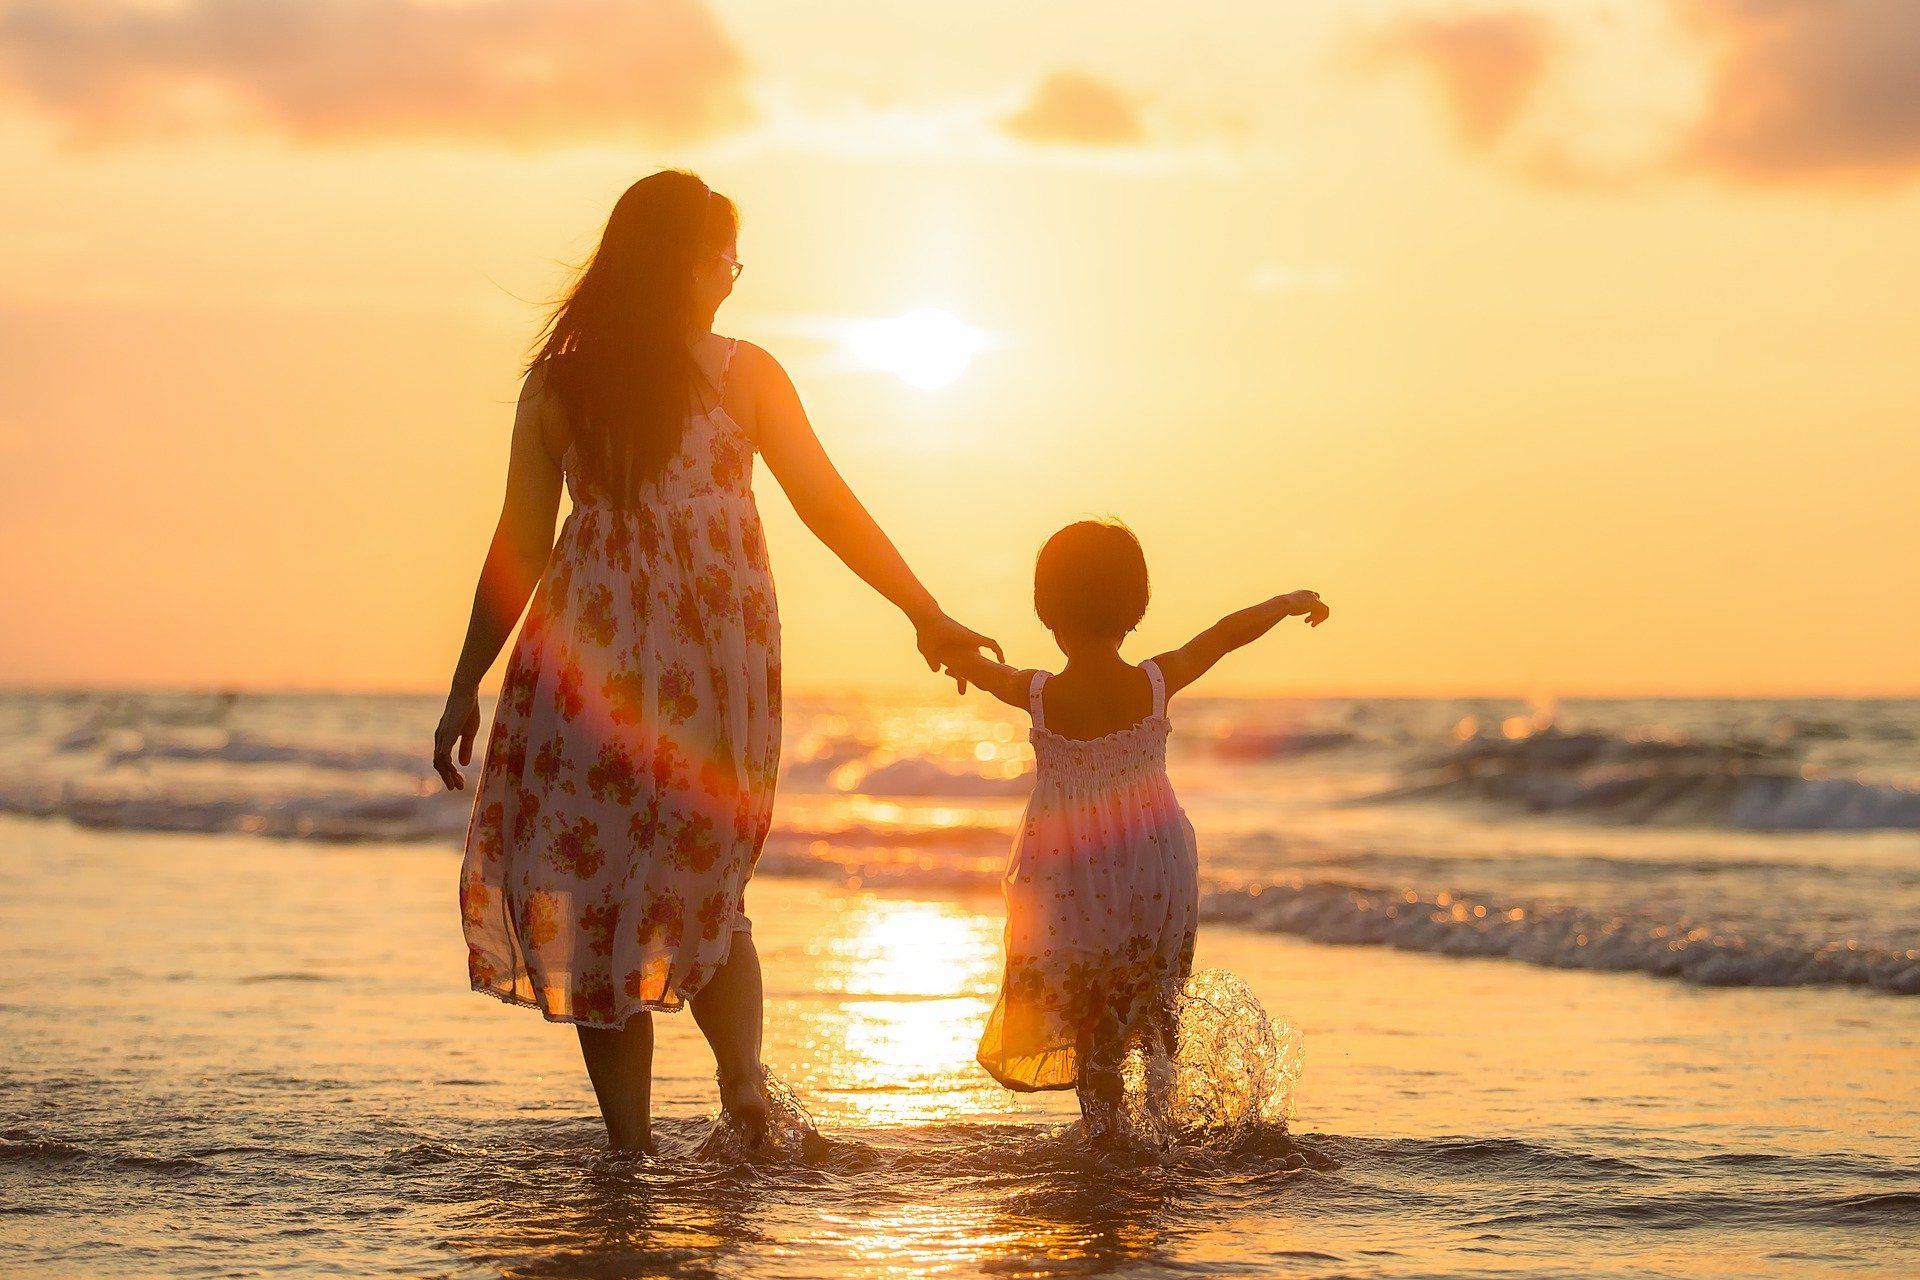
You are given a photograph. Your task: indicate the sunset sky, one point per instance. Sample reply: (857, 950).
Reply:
(1563, 347)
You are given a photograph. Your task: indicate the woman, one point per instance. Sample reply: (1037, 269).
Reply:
(629, 774)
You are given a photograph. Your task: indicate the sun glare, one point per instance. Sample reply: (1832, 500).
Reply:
(925, 348)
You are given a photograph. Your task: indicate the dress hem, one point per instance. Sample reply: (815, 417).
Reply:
(646, 1006)
(507, 997)
(1023, 1086)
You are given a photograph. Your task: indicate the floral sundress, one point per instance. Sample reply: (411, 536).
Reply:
(1102, 896)
(629, 773)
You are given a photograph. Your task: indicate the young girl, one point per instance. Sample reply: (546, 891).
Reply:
(1102, 889)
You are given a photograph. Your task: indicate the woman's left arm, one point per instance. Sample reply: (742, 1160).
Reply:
(828, 507)
(522, 541)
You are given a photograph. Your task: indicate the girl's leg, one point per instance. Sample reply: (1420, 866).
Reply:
(1161, 1040)
(729, 1011)
(620, 1064)
(1101, 1091)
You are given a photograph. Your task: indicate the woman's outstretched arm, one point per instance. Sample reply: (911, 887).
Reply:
(522, 541)
(1181, 667)
(829, 508)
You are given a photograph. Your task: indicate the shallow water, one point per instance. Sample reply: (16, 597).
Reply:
(237, 1056)
(1719, 842)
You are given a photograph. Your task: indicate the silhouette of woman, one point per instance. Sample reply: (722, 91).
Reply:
(629, 774)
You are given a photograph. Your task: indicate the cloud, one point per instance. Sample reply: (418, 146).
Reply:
(1036, 126)
(1075, 108)
(1808, 88)
(1786, 90)
(1485, 66)
(506, 72)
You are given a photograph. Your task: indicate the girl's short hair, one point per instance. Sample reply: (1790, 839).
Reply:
(1091, 579)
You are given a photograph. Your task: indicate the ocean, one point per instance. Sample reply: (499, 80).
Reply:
(1608, 987)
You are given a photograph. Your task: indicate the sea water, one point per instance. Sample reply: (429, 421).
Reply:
(1603, 988)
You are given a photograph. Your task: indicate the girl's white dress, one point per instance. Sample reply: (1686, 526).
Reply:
(1102, 900)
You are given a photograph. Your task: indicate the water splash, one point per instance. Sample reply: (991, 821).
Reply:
(1230, 1078)
(791, 1135)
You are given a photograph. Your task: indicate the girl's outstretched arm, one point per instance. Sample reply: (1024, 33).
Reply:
(828, 507)
(1182, 666)
(522, 541)
(1009, 684)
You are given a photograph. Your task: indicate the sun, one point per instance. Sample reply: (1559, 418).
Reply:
(926, 348)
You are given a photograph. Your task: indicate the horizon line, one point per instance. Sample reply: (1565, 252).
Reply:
(901, 688)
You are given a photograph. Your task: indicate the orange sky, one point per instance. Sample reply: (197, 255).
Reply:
(1564, 348)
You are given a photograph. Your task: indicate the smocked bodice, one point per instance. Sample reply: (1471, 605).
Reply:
(1138, 752)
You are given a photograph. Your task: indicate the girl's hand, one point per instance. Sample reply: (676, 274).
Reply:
(940, 638)
(459, 724)
(1306, 604)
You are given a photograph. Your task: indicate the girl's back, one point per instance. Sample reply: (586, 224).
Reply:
(1094, 702)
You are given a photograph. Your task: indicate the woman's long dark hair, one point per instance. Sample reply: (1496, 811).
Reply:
(616, 347)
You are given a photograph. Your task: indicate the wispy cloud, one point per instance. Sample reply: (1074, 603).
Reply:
(500, 72)
(1077, 108)
(1485, 66)
(975, 129)
(1787, 90)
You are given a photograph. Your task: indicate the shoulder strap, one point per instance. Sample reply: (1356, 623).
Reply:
(726, 365)
(1159, 683)
(1034, 705)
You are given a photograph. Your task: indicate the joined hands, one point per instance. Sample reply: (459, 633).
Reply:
(940, 640)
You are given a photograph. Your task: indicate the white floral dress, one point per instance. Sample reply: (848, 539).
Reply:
(1102, 897)
(629, 774)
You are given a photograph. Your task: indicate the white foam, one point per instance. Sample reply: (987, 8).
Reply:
(1559, 937)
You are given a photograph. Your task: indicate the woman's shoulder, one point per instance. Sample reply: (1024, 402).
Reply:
(755, 387)
(750, 363)
(540, 394)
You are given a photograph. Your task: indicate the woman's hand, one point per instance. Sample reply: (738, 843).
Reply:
(459, 724)
(939, 638)
(1306, 604)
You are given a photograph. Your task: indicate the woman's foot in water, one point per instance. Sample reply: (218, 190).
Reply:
(744, 1099)
(631, 1143)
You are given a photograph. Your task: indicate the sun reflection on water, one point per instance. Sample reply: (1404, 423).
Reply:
(912, 982)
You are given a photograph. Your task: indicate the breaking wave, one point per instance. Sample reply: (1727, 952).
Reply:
(1559, 937)
(1650, 780)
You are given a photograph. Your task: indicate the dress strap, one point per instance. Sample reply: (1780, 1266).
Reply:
(1034, 705)
(726, 365)
(1159, 683)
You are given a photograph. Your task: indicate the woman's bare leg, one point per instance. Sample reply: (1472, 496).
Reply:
(620, 1064)
(729, 1011)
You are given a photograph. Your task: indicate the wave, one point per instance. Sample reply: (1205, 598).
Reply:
(121, 746)
(426, 814)
(968, 856)
(1257, 744)
(1742, 785)
(342, 816)
(1558, 937)
(20, 1146)
(916, 776)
